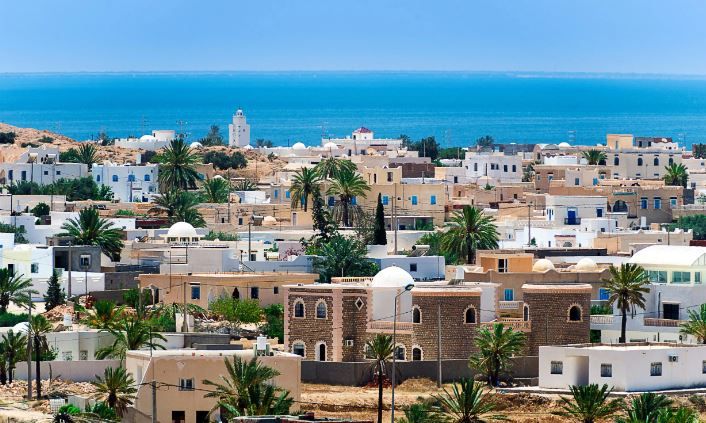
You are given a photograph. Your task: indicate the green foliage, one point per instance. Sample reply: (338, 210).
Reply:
(626, 287)
(223, 161)
(149, 157)
(420, 412)
(15, 289)
(471, 230)
(645, 408)
(124, 212)
(221, 236)
(213, 138)
(7, 137)
(85, 153)
(379, 231)
(676, 175)
(215, 190)
(55, 295)
(179, 206)
(594, 156)
(304, 184)
(19, 232)
(496, 347)
(274, 316)
(485, 143)
(41, 209)
(696, 325)
(601, 309)
(46, 139)
(104, 315)
(379, 351)
(451, 153)
(433, 240)
(77, 189)
(116, 388)
(91, 229)
(699, 151)
(347, 185)
(102, 411)
(594, 336)
(261, 142)
(331, 167)
(131, 297)
(131, 333)
(427, 147)
(236, 311)
(466, 402)
(69, 409)
(177, 169)
(589, 403)
(10, 319)
(695, 222)
(342, 256)
(322, 223)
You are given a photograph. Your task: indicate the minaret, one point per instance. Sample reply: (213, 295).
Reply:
(239, 130)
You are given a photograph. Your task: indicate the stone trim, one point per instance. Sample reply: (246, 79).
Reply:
(557, 289)
(568, 313)
(316, 309)
(474, 292)
(294, 308)
(416, 307)
(316, 351)
(421, 352)
(299, 341)
(475, 315)
(404, 349)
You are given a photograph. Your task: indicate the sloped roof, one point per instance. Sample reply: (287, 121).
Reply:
(668, 255)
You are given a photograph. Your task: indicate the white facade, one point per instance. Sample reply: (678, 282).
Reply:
(129, 183)
(160, 138)
(569, 210)
(40, 165)
(361, 142)
(492, 168)
(421, 268)
(239, 130)
(627, 368)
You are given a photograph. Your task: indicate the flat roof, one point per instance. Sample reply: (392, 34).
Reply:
(633, 346)
(188, 352)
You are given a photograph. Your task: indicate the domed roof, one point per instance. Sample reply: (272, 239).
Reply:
(564, 144)
(248, 147)
(586, 265)
(330, 145)
(196, 144)
(299, 146)
(542, 265)
(392, 277)
(148, 138)
(269, 221)
(20, 327)
(218, 177)
(181, 230)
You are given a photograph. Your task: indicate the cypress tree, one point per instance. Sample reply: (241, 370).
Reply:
(55, 294)
(379, 233)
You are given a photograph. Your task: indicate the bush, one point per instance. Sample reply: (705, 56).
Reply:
(7, 137)
(274, 315)
(149, 157)
(19, 232)
(41, 209)
(221, 236)
(69, 409)
(103, 411)
(237, 311)
(9, 319)
(46, 139)
(223, 161)
(696, 222)
(123, 212)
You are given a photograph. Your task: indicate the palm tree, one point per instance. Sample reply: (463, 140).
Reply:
(116, 388)
(676, 175)
(130, 334)
(594, 156)
(245, 185)
(179, 206)
(331, 167)
(471, 230)
(696, 325)
(304, 183)
(91, 229)
(589, 403)
(39, 327)
(419, 412)
(677, 415)
(15, 350)
(3, 363)
(104, 315)
(466, 402)
(243, 390)
(215, 190)
(15, 289)
(625, 287)
(347, 185)
(645, 408)
(177, 169)
(87, 154)
(380, 350)
(495, 349)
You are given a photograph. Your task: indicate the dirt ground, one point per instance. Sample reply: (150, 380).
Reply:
(361, 402)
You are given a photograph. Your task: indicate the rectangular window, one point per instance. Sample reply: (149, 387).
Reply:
(606, 370)
(35, 268)
(657, 276)
(389, 176)
(385, 200)
(147, 178)
(681, 277)
(643, 203)
(672, 202)
(178, 416)
(254, 293)
(670, 311)
(84, 261)
(603, 294)
(195, 292)
(557, 367)
(115, 178)
(186, 384)
(703, 367)
(502, 265)
(656, 369)
(599, 212)
(658, 203)
(275, 290)
(413, 267)
(287, 194)
(504, 168)
(432, 200)
(298, 349)
(276, 193)
(697, 277)
(414, 200)
(509, 294)
(24, 175)
(577, 181)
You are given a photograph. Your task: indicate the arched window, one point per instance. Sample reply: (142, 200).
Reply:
(671, 160)
(299, 348)
(400, 352)
(416, 354)
(575, 313)
(470, 315)
(639, 161)
(656, 161)
(616, 161)
(236, 294)
(299, 309)
(525, 313)
(321, 351)
(321, 309)
(416, 315)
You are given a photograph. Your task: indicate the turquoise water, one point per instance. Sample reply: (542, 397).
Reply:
(284, 107)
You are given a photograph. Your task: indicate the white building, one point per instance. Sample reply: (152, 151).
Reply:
(160, 138)
(492, 168)
(40, 165)
(129, 183)
(239, 130)
(632, 367)
(420, 267)
(570, 209)
(361, 142)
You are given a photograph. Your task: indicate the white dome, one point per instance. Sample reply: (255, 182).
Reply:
(586, 265)
(181, 230)
(542, 265)
(299, 146)
(564, 145)
(248, 147)
(330, 145)
(20, 327)
(147, 138)
(269, 221)
(392, 277)
(218, 177)
(196, 144)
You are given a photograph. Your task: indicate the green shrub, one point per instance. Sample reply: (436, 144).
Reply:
(103, 411)
(69, 409)
(9, 319)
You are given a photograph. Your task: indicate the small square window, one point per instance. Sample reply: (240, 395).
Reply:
(275, 290)
(656, 369)
(84, 261)
(703, 367)
(195, 292)
(35, 268)
(413, 267)
(83, 355)
(186, 384)
(606, 370)
(557, 367)
(67, 356)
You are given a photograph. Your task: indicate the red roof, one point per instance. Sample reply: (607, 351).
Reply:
(362, 130)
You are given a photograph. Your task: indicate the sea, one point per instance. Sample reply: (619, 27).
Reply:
(286, 107)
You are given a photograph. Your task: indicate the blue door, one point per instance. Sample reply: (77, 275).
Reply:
(571, 217)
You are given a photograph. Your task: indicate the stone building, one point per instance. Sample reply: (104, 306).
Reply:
(333, 322)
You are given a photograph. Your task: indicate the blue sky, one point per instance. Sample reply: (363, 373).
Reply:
(631, 36)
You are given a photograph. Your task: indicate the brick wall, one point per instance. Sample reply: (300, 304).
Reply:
(549, 314)
(310, 329)
(354, 323)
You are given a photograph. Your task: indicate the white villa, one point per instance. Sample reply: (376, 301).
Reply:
(159, 138)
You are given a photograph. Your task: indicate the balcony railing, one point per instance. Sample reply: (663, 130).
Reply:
(600, 319)
(668, 323)
(515, 323)
(572, 221)
(364, 280)
(509, 305)
(387, 326)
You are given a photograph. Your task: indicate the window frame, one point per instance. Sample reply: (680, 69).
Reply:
(556, 367)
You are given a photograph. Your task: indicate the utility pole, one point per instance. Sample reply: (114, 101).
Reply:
(529, 224)
(394, 213)
(154, 382)
(29, 351)
(68, 293)
(184, 325)
(438, 344)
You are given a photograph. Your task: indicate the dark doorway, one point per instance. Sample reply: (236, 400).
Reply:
(670, 311)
